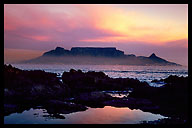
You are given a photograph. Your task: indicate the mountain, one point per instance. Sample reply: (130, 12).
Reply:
(86, 51)
(97, 55)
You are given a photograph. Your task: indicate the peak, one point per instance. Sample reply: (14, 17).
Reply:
(59, 48)
(152, 55)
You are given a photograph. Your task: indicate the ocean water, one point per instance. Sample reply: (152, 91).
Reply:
(142, 73)
(108, 114)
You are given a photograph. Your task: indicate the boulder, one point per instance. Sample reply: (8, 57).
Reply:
(62, 107)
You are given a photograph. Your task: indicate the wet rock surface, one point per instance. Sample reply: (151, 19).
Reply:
(78, 91)
(172, 98)
(93, 99)
(63, 107)
(79, 81)
(133, 103)
(30, 88)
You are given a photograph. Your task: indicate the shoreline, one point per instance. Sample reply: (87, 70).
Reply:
(85, 87)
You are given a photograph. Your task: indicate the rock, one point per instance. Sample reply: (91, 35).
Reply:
(26, 89)
(57, 116)
(33, 84)
(73, 71)
(30, 88)
(13, 108)
(172, 98)
(132, 103)
(97, 81)
(92, 99)
(154, 81)
(56, 106)
(10, 108)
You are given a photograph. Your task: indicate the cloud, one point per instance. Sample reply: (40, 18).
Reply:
(130, 28)
(89, 23)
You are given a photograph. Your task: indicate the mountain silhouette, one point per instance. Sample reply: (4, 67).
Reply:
(152, 55)
(97, 55)
(86, 51)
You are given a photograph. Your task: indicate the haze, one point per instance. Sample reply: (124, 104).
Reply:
(29, 30)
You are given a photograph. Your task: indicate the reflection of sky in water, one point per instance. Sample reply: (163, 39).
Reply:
(106, 115)
(99, 115)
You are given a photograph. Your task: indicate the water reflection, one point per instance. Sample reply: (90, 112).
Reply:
(106, 115)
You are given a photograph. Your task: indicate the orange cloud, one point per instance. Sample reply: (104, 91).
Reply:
(133, 25)
(116, 24)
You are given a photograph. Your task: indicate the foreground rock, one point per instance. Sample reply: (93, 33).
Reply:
(133, 103)
(169, 100)
(78, 90)
(172, 98)
(93, 99)
(79, 81)
(63, 107)
(26, 89)
(33, 85)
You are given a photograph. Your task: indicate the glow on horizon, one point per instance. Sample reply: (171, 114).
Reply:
(35, 26)
(137, 26)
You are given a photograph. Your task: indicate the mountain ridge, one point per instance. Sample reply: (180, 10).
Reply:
(97, 55)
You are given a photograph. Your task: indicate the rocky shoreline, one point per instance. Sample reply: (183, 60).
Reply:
(78, 90)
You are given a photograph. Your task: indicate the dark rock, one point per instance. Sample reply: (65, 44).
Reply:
(57, 116)
(93, 99)
(133, 103)
(26, 89)
(15, 108)
(154, 81)
(32, 85)
(56, 106)
(172, 98)
(10, 108)
(171, 120)
(96, 81)
(73, 71)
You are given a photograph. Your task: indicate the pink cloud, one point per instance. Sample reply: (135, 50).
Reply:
(183, 43)
(46, 26)
(39, 38)
(77, 23)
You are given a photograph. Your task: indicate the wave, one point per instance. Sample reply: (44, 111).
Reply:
(146, 72)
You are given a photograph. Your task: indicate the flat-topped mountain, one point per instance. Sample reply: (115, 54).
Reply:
(97, 55)
(85, 51)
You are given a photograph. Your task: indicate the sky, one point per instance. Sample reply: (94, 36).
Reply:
(31, 29)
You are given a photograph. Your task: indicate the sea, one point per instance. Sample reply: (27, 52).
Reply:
(108, 114)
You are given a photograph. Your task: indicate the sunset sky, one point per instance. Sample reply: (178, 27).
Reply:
(29, 30)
